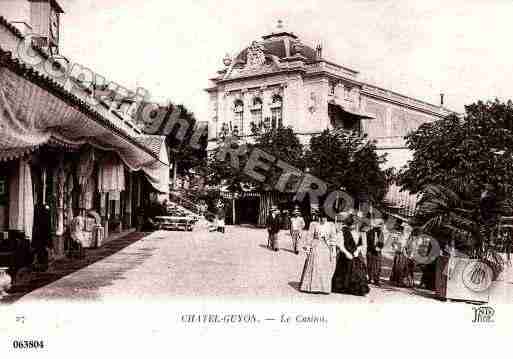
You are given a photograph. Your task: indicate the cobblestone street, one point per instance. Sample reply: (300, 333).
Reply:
(166, 265)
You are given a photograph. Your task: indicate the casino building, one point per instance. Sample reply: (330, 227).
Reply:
(280, 80)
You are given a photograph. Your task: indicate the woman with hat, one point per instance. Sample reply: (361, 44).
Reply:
(350, 275)
(402, 273)
(320, 260)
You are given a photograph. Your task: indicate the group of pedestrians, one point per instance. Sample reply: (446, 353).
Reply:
(347, 255)
(334, 261)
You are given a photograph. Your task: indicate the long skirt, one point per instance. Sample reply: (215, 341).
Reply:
(402, 273)
(374, 267)
(350, 276)
(318, 270)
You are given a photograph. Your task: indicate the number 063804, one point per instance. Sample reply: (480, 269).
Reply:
(28, 344)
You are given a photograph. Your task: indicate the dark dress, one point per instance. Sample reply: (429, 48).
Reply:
(350, 275)
(375, 242)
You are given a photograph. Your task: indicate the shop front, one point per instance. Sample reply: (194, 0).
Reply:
(66, 167)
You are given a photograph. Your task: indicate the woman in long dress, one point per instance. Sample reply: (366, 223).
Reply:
(320, 261)
(350, 275)
(402, 269)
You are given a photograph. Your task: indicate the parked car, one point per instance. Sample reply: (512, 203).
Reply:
(175, 219)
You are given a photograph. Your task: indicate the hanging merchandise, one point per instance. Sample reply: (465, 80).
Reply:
(86, 181)
(60, 179)
(114, 196)
(111, 176)
(21, 199)
(68, 201)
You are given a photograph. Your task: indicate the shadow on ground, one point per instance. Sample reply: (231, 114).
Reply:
(65, 266)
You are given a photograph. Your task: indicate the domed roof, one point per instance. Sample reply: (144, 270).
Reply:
(283, 45)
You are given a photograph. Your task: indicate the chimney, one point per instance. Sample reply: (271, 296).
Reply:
(441, 100)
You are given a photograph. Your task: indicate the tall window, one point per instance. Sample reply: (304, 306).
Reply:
(238, 118)
(256, 113)
(277, 112)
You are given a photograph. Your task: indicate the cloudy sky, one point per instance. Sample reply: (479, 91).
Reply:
(421, 48)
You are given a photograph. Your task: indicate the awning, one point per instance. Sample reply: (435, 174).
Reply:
(401, 202)
(352, 111)
(34, 110)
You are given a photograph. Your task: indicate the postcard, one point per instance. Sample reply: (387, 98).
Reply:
(250, 178)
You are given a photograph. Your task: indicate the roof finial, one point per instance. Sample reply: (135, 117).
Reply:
(279, 26)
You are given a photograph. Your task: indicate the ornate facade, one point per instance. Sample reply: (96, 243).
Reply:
(281, 81)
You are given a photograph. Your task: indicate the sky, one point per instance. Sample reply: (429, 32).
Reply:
(418, 48)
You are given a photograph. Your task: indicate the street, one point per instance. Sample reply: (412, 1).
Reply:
(166, 265)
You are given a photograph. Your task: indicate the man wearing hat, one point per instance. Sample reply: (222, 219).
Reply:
(297, 223)
(375, 243)
(273, 227)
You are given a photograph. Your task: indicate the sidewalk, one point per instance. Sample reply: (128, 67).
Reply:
(66, 266)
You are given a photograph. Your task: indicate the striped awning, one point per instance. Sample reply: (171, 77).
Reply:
(401, 202)
(35, 111)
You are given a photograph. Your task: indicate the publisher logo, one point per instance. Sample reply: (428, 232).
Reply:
(483, 314)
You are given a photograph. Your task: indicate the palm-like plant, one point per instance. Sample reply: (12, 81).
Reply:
(453, 217)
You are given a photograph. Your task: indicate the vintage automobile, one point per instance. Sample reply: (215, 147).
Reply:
(175, 219)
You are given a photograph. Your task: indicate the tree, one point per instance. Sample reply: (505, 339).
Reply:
(463, 154)
(343, 159)
(184, 156)
(178, 125)
(283, 144)
(454, 159)
(280, 142)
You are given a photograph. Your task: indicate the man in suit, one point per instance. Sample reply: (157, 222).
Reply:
(297, 224)
(273, 227)
(375, 243)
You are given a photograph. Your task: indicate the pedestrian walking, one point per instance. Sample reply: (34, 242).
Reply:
(375, 243)
(321, 257)
(402, 275)
(273, 228)
(297, 224)
(350, 275)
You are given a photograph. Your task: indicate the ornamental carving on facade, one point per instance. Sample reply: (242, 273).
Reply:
(255, 56)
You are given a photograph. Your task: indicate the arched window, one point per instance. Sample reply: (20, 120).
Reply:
(238, 118)
(256, 112)
(277, 112)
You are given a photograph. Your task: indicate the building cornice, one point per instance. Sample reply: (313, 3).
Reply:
(354, 72)
(255, 76)
(407, 102)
